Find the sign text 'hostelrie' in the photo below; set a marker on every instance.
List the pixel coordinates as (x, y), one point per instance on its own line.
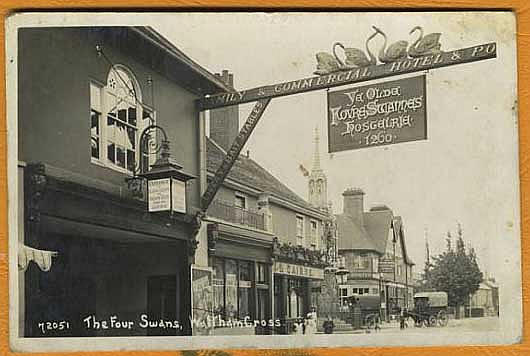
(377, 114)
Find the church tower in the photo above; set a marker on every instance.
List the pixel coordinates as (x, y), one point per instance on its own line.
(318, 182)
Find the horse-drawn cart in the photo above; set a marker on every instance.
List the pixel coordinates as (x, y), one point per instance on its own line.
(430, 309)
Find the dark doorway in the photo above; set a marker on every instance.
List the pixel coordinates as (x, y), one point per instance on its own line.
(162, 304)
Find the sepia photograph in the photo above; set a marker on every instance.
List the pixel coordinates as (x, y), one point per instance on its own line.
(187, 180)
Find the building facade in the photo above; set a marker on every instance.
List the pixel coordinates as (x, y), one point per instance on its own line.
(485, 301)
(267, 247)
(371, 245)
(85, 96)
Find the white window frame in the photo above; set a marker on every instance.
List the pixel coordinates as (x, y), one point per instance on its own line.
(314, 239)
(141, 124)
(99, 87)
(300, 239)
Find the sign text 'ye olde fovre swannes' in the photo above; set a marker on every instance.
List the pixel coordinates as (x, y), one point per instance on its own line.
(377, 114)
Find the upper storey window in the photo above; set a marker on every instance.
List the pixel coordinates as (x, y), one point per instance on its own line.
(117, 118)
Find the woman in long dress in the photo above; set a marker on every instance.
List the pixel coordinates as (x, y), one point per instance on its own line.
(311, 323)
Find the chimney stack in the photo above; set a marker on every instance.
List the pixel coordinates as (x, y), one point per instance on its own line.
(354, 204)
(224, 122)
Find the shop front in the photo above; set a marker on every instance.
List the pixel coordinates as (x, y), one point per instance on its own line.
(241, 281)
(117, 270)
(294, 285)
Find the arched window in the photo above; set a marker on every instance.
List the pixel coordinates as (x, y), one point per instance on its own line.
(117, 118)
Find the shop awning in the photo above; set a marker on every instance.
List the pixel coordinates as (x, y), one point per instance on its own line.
(42, 258)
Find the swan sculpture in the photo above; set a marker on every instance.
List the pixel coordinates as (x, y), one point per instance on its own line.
(395, 52)
(326, 64)
(355, 57)
(423, 46)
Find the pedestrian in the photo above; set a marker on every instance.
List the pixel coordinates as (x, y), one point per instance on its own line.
(328, 325)
(402, 315)
(298, 327)
(310, 324)
(377, 326)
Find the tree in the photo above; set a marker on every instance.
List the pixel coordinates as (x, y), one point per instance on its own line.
(455, 272)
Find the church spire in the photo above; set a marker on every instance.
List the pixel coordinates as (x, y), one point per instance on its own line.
(318, 183)
(316, 154)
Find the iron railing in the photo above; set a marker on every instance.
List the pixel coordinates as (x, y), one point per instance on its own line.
(225, 211)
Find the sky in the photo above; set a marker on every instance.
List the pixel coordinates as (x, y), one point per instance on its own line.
(466, 170)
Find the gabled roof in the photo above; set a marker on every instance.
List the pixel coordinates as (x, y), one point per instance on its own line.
(490, 283)
(373, 235)
(247, 172)
(352, 236)
(378, 224)
(399, 232)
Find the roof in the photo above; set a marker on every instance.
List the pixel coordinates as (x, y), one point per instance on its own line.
(436, 299)
(490, 283)
(484, 285)
(247, 172)
(154, 51)
(358, 237)
(373, 235)
(399, 232)
(214, 84)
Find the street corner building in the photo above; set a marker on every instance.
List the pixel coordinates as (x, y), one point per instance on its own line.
(263, 249)
(372, 250)
(93, 261)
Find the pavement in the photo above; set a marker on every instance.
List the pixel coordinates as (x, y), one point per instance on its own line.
(454, 325)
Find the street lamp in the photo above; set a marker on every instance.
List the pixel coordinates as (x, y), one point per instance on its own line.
(166, 182)
(342, 272)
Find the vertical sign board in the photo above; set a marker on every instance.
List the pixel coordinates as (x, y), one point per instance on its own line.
(178, 196)
(166, 194)
(158, 194)
(377, 114)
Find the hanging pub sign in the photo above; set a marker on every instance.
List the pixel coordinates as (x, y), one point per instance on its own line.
(386, 265)
(167, 194)
(158, 195)
(178, 196)
(377, 114)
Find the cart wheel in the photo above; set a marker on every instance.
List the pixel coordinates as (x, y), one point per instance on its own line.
(442, 318)
(432, 320)
(425, 323)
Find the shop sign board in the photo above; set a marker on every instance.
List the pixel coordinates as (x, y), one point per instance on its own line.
(377, 114)
(158, 194)
(178, 196)
(386, 265)
(352, 76)
(298, 270)
(166, 194)
(386, 269)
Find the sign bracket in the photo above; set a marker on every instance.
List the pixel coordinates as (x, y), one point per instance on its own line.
(263, 95)
(232, 154)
